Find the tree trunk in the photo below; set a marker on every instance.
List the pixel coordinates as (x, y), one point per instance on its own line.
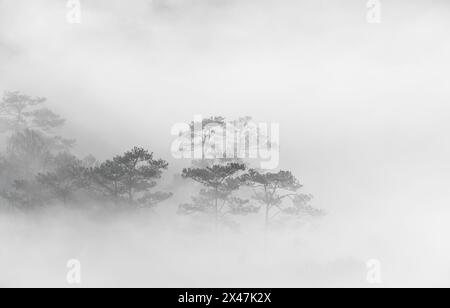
(266, 222)
(216, 209)
(267, 217)
(268, 204)
(116, 194)
(130, 190)
(18, 121)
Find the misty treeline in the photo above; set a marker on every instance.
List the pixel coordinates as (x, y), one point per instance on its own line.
(37, 168)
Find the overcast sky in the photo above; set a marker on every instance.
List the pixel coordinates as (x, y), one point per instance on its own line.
(363, 108)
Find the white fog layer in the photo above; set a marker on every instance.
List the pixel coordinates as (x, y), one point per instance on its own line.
(361, 183)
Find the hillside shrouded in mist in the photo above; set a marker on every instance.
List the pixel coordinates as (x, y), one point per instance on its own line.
(87, 164)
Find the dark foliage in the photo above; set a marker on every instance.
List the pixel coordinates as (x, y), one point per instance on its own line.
(38, 168)
(216, 198)
(278, 193)
(133, 173)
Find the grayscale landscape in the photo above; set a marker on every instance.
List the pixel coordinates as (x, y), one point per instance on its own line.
(224, 143)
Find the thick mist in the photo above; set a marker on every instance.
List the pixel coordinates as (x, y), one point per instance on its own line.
(363, 117)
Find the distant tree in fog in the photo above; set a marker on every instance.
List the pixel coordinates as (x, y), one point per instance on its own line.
(24, 194)
(278, 193)
(90, 162)
(44, 119)
(30, 152)
(32, 148)
(69, 175)
(15, 110)
(216, 198)
(31, 145)
(205, 133)
(19, 112)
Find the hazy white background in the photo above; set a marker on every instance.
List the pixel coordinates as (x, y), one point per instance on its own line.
(364, 113)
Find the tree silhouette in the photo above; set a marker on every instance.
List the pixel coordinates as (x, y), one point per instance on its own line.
(134, 172)
(14, 110)
(68, 177)
(30, 152)
(213, 135)
(141, 170)
(108, 176)
(206, 132)
(31, 146)
(44, 119)
(278, 193)
(19, 112)
(216, 198)
(25, 194)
